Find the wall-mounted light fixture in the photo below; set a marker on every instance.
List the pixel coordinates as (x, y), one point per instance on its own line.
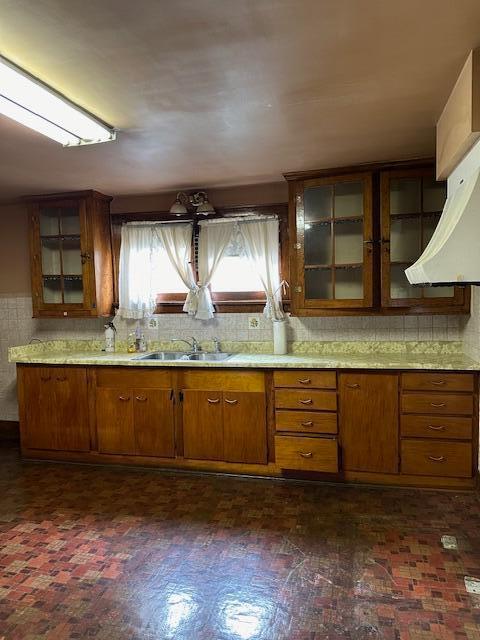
(197, 202)
(34, 104)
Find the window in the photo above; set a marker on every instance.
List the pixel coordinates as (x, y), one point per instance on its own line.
(235, 286)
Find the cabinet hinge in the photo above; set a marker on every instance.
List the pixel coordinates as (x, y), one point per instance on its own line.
(298, 289)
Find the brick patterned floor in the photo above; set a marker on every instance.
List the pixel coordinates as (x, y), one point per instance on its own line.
(120, 554)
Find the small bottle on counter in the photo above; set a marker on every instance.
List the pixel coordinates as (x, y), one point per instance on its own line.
(131, 342)
(110, 337)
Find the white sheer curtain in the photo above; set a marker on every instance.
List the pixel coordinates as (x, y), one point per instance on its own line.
(261, 240)
(177, 241)
(214, 239)
(137, 271)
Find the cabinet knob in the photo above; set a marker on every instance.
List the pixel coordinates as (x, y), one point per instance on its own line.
(306, 454)
(307, 401)
(124, 398)
(439, 427)
(438, 404)
(141, 398)
(213, 400)
(308, 423)
(353, 386)
(437, 458)
(231, 401)
(304, 380)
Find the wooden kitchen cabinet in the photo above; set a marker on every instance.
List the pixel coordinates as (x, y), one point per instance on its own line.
(228, 423)
(134, 420)
(353, 233)
(71, 255)
(53, 406)
(369, 422)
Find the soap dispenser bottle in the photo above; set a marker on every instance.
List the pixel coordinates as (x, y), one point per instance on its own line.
(109, 337)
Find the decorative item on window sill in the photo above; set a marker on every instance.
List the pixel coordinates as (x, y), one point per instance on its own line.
(192, 202)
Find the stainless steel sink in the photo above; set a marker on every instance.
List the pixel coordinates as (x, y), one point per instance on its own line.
(209, 356)
(164, 355)
(181, 355)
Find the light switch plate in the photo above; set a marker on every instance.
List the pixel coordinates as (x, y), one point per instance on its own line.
(449, 542)
(472, 585)
(253, 323)
(152, 323)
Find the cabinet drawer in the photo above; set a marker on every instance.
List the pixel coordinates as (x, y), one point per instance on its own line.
(306, 421)
(447, 403)
(308, 399)
(305, 379)
(145, 378)
(307, 454)
(435, 458)
(437, 381)
(436, 427)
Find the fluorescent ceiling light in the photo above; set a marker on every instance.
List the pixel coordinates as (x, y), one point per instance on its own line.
(33, 104)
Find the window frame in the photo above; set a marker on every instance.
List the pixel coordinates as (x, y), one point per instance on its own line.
(225, 301)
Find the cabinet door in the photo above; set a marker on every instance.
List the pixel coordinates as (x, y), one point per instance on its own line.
(72, 432)
(369, 422)
(244, 427)
(333, 258)
(153, 420)
(411, 206)
(39, 421)
(115, 430)
(203, 425)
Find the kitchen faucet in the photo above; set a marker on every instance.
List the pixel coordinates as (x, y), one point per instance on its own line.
(194, 346)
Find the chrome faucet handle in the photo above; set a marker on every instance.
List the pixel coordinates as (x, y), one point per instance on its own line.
(195, 346)
(216, 345)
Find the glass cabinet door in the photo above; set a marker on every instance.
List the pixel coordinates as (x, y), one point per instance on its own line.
(411, 206)
(334, 242)
(62, 258)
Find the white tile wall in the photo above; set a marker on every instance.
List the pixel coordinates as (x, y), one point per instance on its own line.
(471, 329)
(18, 327)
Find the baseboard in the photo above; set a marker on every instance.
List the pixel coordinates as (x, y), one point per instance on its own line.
(9, 431)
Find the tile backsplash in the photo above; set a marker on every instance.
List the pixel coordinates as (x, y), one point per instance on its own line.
(18, 327)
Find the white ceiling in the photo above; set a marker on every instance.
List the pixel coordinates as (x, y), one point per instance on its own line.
(211, 93)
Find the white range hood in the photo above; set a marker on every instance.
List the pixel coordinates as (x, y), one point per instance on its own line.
(453, 254)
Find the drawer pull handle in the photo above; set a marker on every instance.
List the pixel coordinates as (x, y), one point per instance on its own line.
(213, 400)
(141, 398)
(309, 423)
(353, 386)
(231, 401)
(438, 404)
(304, 380)
(124, 398)
(308, 401)
(436, 458)
(307, 454)
(439, 427)
(438, 382)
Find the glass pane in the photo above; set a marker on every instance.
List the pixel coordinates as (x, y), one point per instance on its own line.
(52, 290)
(348, 284)
(72, 256)
(51, 264)
(348, 199)
(405, 239)
(429, 225)
(438, 292)
(70, 220)
(49, 222)
(318, 202)
(318, 244)
(400, 286)
(434, 195)
(318, 284)
(73, 290)
(348, 242)
(405, 195)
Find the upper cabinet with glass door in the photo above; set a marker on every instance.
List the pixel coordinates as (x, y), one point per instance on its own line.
(411, 206)
(332, 218)
(71, 255)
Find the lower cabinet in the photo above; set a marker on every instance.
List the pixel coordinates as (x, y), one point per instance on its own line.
(135, 422)
(229, 426)
(369, 422)
(54, 408)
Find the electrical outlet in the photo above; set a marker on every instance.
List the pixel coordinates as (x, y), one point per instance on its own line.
(153, 323)
(253, 323)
